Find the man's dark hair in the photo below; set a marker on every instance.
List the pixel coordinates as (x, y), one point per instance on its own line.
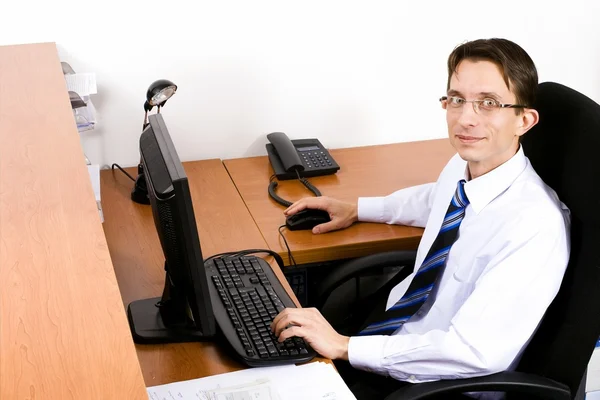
(517, 68)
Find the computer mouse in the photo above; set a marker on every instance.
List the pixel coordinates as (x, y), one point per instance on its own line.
(306, 219)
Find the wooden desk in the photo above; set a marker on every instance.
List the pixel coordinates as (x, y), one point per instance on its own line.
(63, 329)
(365, 171)
(224, 224)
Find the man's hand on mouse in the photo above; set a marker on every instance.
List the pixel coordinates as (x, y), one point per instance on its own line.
(342, 214)
(309, 324)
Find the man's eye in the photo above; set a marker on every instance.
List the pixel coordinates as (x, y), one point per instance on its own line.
(457, 101)
(489, 103)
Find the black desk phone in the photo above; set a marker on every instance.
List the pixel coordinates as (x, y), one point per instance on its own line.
(304, 157)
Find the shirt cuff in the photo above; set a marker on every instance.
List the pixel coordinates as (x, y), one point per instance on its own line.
(370, 209)
(365, 353)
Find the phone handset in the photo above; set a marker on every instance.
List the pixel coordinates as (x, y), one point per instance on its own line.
(284, 155)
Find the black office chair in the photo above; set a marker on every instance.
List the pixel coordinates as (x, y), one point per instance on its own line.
(564, 149)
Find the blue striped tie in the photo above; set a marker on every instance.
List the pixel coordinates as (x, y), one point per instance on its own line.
(387, 322)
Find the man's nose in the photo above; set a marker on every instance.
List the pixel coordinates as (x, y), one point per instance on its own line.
(468, 116)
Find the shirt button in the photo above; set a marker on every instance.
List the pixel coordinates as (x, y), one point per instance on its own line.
(412, 378)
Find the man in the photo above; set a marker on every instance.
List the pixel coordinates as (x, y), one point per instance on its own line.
(494, 249)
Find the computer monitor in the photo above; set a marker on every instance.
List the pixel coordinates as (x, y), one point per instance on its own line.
(184, 312)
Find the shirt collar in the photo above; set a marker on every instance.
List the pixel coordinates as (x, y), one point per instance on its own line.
(482, 190)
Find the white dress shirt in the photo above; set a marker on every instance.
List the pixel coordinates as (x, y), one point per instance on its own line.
(501, 274)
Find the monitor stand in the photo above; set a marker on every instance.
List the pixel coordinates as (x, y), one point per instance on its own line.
(168, 323)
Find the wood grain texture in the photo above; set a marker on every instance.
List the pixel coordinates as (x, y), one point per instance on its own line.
(365, 171)
(63, 330)
(224, 224)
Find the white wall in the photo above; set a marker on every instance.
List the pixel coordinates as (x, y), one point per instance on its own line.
(349, 73)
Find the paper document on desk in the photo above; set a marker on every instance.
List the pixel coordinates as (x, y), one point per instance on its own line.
(309, 381)
(260, 389)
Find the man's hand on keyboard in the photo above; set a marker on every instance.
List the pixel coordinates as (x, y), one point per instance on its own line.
(309, 324)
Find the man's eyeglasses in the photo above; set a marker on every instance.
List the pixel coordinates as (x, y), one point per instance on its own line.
(483, 107)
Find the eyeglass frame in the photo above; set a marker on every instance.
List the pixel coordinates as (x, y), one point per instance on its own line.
(476, 108)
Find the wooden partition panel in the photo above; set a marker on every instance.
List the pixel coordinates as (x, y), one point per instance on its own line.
(63, 329)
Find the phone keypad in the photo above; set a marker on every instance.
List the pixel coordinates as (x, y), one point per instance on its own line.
(316, 159)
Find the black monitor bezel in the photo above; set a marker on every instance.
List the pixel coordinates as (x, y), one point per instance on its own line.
(186, 290)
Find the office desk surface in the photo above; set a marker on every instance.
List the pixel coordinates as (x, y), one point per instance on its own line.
(365, 171)
(224, 224)
(63, 330)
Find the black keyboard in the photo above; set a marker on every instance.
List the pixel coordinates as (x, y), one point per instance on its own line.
(246, 296)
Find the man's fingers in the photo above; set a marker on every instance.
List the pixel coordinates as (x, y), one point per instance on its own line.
(326, 227)
(318, 203)
(280, 316)
(290, 332)
(295, 207)
(282, 324)
(289, 317)
(288, 321)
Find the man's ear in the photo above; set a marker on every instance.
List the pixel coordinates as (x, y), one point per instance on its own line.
(527, 120)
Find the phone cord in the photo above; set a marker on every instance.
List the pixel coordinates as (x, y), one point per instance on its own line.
(286, 203)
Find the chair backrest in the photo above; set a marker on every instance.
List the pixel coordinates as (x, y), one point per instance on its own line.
(564, 149)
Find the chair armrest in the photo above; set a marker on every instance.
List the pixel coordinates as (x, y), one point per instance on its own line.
(355, 267)
(501, 382)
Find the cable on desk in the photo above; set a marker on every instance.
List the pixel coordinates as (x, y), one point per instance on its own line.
(309, 185)
(273, 185)
(291, 257)
(122, 170)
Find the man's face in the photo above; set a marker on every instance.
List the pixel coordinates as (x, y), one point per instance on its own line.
(485, 139)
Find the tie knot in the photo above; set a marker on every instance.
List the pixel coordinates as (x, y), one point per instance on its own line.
(460, 198)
